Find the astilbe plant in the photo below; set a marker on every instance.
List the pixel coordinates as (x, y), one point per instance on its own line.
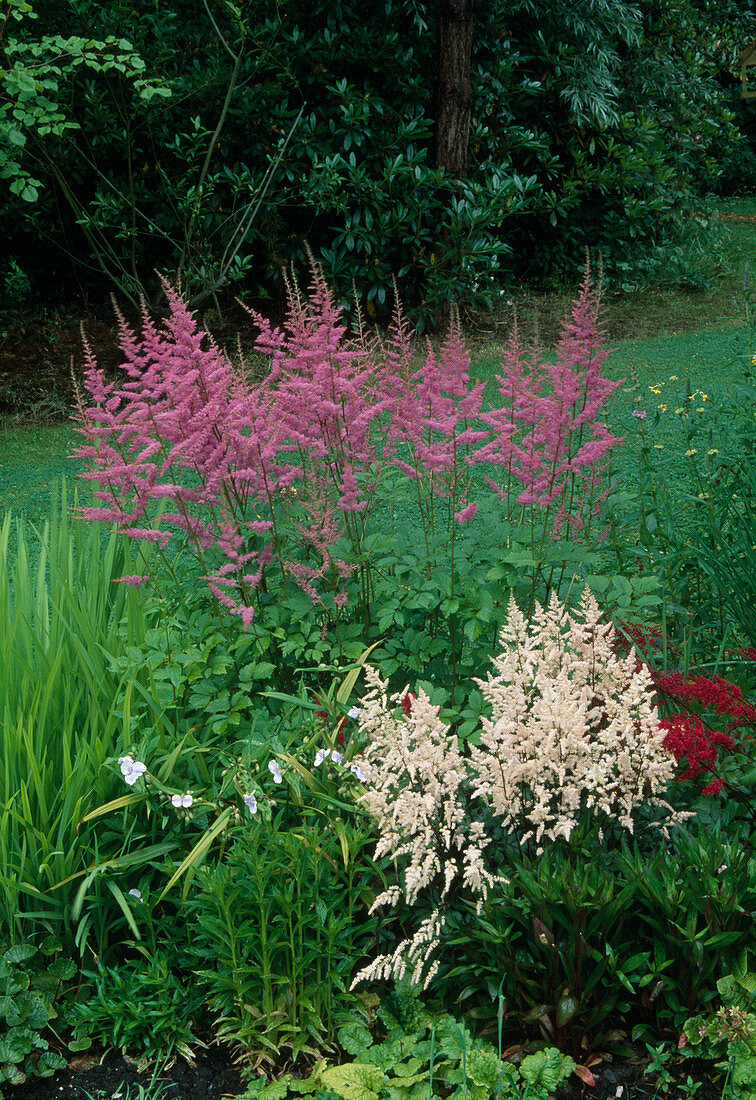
(547, 440)
(282, 477)
(573, 731)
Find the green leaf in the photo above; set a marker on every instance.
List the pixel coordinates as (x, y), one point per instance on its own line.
(14, 1046)
(49, 1063)
(355, 1039)
(354, 1081)
(22, 952)
(62, 969)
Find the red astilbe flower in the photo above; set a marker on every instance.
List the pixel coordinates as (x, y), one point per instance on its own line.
(687, 737)
(712, 692)
(695, 701)
(407, 700)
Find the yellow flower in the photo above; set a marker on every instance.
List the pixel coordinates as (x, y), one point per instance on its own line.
(713, 451)
(703, 496)
(655, 389)
(704, 396)
(690, 452)
(678, 411)
(662, 408)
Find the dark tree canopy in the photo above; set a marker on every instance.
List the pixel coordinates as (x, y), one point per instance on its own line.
(453, 148)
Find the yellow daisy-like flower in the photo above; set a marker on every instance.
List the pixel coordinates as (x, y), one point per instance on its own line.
(690, 452)
(655, 389)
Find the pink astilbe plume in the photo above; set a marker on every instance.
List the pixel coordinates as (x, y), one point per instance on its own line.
(325, 402)
(174, 431)
(434, 417)
(546, 435)
(288, 469)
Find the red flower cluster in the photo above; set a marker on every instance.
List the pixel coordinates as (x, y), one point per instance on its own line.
(687, 736)
(709, 691)
(338, 725)
(407, 701)
(692, 697)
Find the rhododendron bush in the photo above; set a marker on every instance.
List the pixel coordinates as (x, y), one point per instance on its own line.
(573, 732)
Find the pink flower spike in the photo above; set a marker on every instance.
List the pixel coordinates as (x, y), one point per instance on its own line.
(133, 581)
(466, 513)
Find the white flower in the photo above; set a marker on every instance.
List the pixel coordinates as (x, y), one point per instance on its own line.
(181, 801)
(320, 756)
(355, 769)
(136, 894)
(354, 712)
(275, 771)
(337, 757)
(131, 769)
(251, 803)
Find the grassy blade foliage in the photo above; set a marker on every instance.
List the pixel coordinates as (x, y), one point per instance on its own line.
(62, 620)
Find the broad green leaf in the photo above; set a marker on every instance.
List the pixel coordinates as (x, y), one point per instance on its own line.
(354, 1081)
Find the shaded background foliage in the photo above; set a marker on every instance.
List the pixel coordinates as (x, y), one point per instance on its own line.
(595, 124)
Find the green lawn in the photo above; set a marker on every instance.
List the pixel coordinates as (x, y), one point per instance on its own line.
(33, 459)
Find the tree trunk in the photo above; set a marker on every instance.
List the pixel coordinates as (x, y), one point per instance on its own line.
(454, 88)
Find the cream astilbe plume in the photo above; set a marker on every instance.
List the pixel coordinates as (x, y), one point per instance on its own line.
(573, 726)
(573, 731)
(417, 789)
